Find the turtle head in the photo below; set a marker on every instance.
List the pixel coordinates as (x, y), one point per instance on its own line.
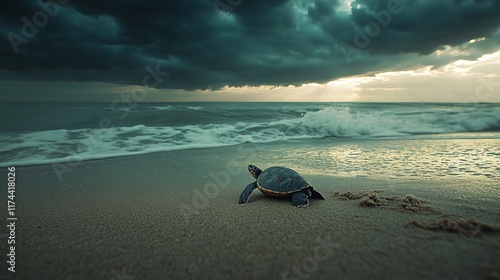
(254, 171)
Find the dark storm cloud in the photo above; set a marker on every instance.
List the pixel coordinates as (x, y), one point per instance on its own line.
(423, 26)
(209, 44)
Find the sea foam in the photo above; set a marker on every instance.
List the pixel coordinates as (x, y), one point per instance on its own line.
(255, 125)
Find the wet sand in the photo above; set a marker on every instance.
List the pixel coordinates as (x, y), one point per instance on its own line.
(175, 215)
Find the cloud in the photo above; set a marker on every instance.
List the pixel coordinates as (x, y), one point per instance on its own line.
(461, 81)
(259, 42)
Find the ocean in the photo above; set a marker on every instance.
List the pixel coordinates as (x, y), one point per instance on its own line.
(41, 133)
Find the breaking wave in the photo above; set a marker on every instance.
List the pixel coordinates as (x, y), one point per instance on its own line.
(201, 127)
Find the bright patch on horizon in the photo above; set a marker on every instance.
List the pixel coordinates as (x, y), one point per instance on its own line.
(458, 75)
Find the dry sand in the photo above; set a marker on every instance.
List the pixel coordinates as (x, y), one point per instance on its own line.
(147, 217)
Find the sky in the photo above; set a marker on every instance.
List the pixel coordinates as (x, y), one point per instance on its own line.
(250, 50)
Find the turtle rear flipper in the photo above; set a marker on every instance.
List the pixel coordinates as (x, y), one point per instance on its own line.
(247, 192)
(316, 194)
(299, 199)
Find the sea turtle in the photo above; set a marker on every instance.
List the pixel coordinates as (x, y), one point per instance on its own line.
(280, 181)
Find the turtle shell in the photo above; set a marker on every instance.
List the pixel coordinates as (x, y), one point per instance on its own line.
(280, 181)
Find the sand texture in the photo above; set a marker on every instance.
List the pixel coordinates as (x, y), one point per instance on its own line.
(175, 216)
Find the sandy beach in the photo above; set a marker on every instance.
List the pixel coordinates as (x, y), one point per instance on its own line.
(175, 215)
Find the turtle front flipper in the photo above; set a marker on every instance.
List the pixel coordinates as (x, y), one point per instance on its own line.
(245, 195)
(299, 199)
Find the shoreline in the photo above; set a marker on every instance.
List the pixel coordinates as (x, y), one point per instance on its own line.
(330, 141)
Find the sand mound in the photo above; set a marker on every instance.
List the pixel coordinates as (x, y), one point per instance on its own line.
(414, 204)
(367, 198)
(469, 227)
(375, 198)
(353, 196)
